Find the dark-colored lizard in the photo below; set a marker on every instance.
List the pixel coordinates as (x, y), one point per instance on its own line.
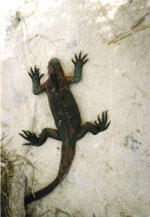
(66, 116)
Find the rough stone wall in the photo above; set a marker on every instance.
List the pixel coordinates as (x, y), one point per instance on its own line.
(110, 174)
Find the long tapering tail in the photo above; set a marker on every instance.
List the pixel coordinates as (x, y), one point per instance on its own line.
(67, 155)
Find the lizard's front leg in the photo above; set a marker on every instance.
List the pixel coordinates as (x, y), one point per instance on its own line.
(78, 64)
(37, 141)
(100, 125)
(36, 77)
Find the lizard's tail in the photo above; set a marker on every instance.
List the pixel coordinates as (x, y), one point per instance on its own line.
(67, 155)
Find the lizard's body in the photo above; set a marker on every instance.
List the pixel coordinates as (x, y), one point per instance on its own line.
(66, 116)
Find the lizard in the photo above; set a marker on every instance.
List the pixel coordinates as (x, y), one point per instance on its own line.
(66, 116)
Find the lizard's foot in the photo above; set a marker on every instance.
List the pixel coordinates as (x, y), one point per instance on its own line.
(35, 74)
(102, 123)
(31, 137)
(80, 61)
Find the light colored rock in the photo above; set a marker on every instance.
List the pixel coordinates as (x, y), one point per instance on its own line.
(17, 193)
(111, 171)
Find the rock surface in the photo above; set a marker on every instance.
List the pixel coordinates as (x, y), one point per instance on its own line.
(111, 171)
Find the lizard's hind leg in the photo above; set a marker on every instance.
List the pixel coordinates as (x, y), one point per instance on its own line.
(37, 141)
(100, 125)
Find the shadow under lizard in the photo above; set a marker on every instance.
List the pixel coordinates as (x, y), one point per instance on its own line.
(66, 116)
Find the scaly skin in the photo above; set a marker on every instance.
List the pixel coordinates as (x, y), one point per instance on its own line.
(66, 116)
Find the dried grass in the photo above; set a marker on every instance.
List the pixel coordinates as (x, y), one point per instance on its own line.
(8, 160)
(6, 174)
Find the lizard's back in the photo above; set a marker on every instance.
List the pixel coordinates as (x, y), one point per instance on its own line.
(64, 108)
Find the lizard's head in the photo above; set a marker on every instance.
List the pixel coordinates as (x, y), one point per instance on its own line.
(54, 66)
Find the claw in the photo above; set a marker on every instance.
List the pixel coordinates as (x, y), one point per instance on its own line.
(85, 61)
(27, 133)
(23, 136)
(27, 144)
(76, 57)
(108, 125)
(41, 76)
(30, 74)
(84, 57)
(73, 61)
(99, 120)
(104, 117)
(96, 123)
(36, 70)
(37, 73)
(80, 55)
